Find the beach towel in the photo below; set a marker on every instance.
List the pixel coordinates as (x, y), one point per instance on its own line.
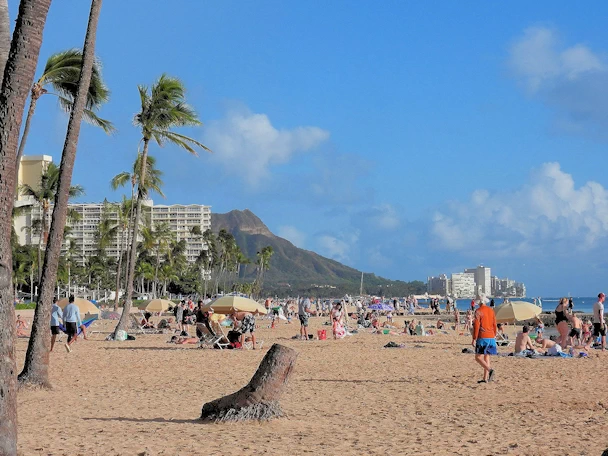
(85, 323)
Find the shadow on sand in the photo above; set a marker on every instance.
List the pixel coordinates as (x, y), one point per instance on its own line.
(144, 420)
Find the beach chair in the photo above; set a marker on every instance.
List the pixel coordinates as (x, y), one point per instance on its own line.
(208, 340)
(502, 341)
(137, 327)
(222, 339)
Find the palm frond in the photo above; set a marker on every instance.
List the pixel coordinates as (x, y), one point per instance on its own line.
(120, 180)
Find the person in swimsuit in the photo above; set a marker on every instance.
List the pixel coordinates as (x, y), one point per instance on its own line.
(577, 329)
(561, 321)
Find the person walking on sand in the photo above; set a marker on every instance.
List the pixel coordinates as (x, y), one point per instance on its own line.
(304, 311)
(72, 321)
(56, 317)
(599, 323)
(484, 339)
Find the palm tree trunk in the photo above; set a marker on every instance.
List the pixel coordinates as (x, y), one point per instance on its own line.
(5, 35)
(35, 370)
(118, 269)
(156, 274)
(122, 323)
(36, 92)
(17, 79)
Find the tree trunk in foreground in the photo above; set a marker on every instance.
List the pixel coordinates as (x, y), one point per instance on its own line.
(36, 368)
(18, 77)
(259, 399)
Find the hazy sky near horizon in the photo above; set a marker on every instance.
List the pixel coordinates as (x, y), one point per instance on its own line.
(403, 138)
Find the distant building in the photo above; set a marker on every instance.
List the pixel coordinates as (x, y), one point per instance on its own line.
(441, 285)
(180, 218)
(463, 285)
(483, 280)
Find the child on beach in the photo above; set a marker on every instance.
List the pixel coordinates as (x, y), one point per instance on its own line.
(389, 317)
(540, 327)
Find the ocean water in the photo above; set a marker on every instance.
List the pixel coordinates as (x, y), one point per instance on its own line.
(582, 304)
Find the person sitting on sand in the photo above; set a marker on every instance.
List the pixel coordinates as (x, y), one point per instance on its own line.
(440, 324)
(420, 329)
(21, 327)
(523, 343)
(247, 320)
(412, 328)
(145, 321)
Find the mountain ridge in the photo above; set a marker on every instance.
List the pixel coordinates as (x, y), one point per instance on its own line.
(295, 270)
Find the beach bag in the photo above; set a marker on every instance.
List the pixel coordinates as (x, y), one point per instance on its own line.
(121, 335)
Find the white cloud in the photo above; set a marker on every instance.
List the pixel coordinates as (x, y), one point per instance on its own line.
(548, 214)
(293, 235)
(247, 143)
(337, 246)
(568, 79)
(537, 59)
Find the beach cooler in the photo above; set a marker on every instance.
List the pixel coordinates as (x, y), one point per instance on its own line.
(322, 334)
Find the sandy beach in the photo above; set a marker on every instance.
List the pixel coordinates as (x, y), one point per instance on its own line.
(350, 396)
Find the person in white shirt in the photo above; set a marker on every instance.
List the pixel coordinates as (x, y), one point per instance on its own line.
(56, 317)
(72, 321)
(599, 324)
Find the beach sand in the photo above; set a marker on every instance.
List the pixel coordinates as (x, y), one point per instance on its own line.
(345, 397)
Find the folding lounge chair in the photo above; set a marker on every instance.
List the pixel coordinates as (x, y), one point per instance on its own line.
(138, 328)
(502, 341)
(209, 340)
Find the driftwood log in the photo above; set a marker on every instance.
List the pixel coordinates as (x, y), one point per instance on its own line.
(259, 399)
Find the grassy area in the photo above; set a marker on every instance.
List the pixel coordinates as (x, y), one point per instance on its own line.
(27, 305)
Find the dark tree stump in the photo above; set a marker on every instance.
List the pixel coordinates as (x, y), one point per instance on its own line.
(259, 399)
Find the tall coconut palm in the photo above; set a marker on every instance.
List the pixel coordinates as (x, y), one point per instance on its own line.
(123, 211)
(61, 74)
(163, 108)
(153, 183)
(17, 78)
(162, 238)
(42, 195)
(35, 370)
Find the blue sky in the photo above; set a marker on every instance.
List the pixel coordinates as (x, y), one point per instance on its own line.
(402, 138)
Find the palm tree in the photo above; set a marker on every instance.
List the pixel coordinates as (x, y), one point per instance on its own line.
(153, 183)
(263, 263)
(5, 35)
(162, 236)
(163, 108)
(17, 77)
(35, 370)
(61, 74)
(42, 196)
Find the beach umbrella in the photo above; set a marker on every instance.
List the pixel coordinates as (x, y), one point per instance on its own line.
(228, 304)
(509, 312)
(159, 305)
(83, 305)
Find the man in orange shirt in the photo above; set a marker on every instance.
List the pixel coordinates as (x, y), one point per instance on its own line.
(484, 339)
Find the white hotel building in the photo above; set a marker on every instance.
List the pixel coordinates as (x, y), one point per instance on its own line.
(180, 218)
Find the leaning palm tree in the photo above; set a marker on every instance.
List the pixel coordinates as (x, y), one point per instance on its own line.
(42, 195)
(61, 74)
(5, 34)
(18, 74)
(35, 370)
(163, 108)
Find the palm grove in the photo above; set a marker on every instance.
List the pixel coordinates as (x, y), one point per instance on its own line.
(155, 265)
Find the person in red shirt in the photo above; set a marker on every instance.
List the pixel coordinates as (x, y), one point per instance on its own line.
(484, 339)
